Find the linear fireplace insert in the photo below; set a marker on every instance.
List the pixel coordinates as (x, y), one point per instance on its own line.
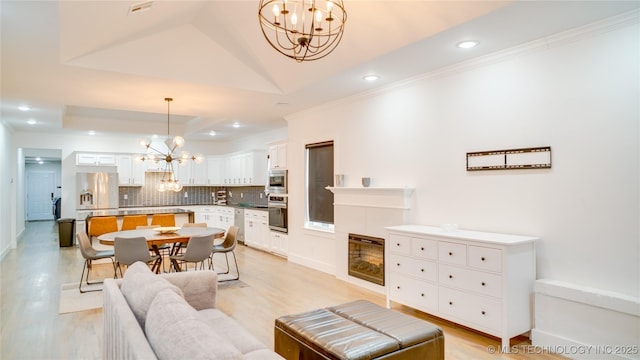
(366, 258)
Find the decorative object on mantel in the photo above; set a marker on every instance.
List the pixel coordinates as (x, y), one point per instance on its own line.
(169, 180)
(303, 30)
(511, 159)
(366, 181)
(339, 180)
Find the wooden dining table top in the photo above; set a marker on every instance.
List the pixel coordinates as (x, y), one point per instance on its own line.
(156, 238)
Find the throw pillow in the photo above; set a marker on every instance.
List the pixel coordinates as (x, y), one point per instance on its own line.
(140, 286)
(175, 331)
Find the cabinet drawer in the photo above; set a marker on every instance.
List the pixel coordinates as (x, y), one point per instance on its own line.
(452, 253)
(423, 269)
(415, 293)
(467, 279)
(423, 248)
(400, 244)
(476, 309)
(485, 258)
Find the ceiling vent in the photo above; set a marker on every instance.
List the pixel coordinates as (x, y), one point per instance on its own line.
(140, 7)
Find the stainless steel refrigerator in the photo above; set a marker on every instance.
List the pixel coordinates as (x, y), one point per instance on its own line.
(97, 191)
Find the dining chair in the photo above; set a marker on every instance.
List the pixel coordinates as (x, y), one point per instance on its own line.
(130, 222)
(164, 249)
(102, 225)
(89, 254)
(228, 246)
(129, 250)
(163, 219)
(198, 250)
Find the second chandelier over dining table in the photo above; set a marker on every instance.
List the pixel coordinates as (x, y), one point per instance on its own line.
(303, 30)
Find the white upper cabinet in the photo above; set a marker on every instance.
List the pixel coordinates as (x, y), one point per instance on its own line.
(96, 159)
(278, 156)
(191, 173)
(130, 172)
(214, 170)
(248, 168)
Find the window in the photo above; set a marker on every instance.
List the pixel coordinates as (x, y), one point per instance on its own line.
(319, 176)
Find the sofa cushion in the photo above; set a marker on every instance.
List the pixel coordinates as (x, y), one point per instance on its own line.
(140, 286)
(175, 331)
(231, 331)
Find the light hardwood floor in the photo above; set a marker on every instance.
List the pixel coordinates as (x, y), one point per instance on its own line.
(32, 329)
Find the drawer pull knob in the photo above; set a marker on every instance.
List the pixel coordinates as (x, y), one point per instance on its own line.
(422, 248)
(397, 244)
(398, 287)
(422, 294)
(482, 258)
(422, 270)
(483, 283)
(483, 312)
(450, 302)
(450, 276)
(398, 264)
(450, 253)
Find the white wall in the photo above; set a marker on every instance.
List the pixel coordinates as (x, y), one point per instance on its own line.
(8, 183)
(576, 92)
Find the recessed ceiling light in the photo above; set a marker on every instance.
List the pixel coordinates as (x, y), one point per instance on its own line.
(40, 162)
(371, 77)
(24, 108)
(154, 136)
(212, 133)
(236, 125)
(92, 132)
(38, 158)
(32, 122)
(467, 44)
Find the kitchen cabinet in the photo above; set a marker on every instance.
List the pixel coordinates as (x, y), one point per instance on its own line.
(214, 170)
(95, 159)
(245, 169)
(278, 243)
(480, 280)
(256, 229)
(130, 172)
(225, 217)
(191, 173)
(278, 156)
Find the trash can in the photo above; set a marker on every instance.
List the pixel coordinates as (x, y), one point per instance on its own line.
(66, 230)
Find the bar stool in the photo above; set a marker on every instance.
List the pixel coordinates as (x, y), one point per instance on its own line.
(131, 222)
(163, 219)
(102, 225)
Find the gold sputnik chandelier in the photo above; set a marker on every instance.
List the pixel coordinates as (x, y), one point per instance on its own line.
(169, 180)
(303, 30)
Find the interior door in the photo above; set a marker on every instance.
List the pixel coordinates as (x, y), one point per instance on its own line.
(40, 187)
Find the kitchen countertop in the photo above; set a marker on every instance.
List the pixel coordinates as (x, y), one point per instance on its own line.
(149, 211)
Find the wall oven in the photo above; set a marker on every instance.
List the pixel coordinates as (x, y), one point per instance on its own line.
(278, 181)
(278, 212)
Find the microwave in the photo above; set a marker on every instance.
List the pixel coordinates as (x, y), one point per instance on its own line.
(278, 181)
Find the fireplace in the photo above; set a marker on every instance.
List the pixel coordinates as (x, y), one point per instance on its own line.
(366, 258)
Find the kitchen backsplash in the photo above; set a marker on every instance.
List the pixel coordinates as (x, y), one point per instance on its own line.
(147, 195)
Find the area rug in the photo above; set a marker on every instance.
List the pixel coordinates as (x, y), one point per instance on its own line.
(231, 284)
(71, 300)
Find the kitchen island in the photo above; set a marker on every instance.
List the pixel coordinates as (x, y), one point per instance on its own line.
(83, 218)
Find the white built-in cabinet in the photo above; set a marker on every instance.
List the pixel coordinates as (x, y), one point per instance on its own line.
(248, 168)
(278, 156)
(480, 280)
(221, 217)
(95, 159)
(256, 229)
(214, 170)
(190, 173)
(278, 243)
(130, 172)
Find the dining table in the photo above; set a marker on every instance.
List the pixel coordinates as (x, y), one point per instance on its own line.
(157, 236)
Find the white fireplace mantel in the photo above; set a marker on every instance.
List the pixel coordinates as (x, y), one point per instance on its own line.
(375, 197)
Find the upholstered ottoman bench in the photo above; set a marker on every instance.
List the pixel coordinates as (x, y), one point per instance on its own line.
(358, 330)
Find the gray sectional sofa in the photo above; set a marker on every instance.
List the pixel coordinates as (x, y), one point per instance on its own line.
(172, 316)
